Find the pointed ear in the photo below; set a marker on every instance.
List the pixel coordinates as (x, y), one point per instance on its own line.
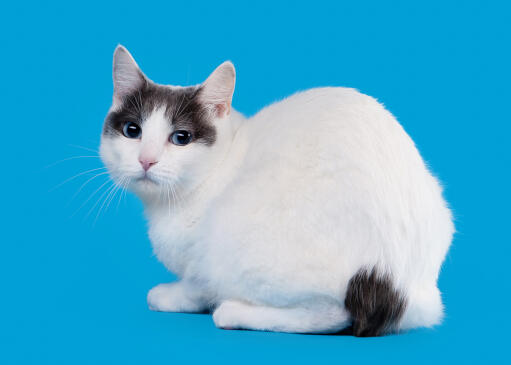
(126, 74)
(217, 90)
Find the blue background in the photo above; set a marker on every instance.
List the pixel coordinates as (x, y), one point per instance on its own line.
(74, 291)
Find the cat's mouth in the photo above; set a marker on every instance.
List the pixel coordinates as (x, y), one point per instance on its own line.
(147, 179)
(150, 179)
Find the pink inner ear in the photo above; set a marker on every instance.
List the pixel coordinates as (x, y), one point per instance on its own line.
(222, 109)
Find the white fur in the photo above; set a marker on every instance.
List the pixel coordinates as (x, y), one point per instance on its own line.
(272, 220)
(126, 74)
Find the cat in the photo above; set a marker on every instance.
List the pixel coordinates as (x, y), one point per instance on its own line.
(316, 215)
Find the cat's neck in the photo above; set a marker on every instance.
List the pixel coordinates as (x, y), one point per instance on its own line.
(191, 199)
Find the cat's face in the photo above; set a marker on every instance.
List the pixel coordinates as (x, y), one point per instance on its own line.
(158, 139)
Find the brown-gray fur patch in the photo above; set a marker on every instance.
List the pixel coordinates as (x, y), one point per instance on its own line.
(374, 304)
(183, 110)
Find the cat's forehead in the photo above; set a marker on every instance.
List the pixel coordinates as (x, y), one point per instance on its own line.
(174, 99)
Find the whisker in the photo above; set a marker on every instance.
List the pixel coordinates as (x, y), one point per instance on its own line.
(178, 109)
(118, 190)
(175, 197)
(168, 198)
(123, 192)
(90, 196)
(178, 198)
(106, 201)
(126, 188)
(100, 199)
(83, 148)
(188, 102)
(85, 183)
(67, 159)
(74, 177)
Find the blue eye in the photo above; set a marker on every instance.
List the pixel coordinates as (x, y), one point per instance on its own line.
(181, 137)
(131, 130)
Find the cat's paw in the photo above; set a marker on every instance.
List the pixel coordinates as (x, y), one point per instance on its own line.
(160, 298)
(175, 297)
(227, 315)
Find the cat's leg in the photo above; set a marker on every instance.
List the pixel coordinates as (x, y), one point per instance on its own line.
(180, 296)
(323, 318)
(424, 307)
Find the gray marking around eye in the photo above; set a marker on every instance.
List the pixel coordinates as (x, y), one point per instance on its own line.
(183, 110)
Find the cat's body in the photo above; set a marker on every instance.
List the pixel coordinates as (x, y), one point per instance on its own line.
(314, 214)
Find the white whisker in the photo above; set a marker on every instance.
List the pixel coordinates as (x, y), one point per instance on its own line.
(67, 159)
(123, 192)
(106, 201)
(90, 196)
(75, 176)
(100, 199)
(84, 148)
(168, 198)
(85, 183)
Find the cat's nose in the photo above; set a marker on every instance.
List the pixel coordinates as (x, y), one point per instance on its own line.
(146, 164)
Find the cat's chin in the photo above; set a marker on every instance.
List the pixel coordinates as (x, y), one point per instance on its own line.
(147, 180)
(146, 185)
(149, 188)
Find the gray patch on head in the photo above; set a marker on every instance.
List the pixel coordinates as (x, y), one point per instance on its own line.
(183, 110)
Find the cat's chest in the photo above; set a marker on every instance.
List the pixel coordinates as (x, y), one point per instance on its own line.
(173, 238)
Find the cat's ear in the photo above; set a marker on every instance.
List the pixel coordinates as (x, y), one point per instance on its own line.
(126, 74)
(218, 88)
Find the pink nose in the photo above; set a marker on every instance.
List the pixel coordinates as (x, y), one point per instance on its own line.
(146, 164)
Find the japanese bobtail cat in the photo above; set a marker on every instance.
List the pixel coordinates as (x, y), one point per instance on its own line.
(315, 215)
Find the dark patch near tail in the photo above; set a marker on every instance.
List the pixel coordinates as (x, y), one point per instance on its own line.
(374, 304)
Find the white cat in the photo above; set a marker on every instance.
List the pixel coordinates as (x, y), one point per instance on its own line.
(314, 215)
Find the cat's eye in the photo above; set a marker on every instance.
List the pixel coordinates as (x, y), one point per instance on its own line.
(181, 137)
(131, 130)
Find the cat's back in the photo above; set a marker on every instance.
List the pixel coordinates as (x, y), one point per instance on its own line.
(315, 110)
(334, 152)
(334, 144)
(319, 127)
(330, 147)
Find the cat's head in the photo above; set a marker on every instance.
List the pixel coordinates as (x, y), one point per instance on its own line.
(158, 137)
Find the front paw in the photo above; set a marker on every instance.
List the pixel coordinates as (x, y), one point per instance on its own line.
(176, 297)
(226, 315)
(160, 298)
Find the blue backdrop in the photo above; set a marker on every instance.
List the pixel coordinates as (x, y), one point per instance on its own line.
(74, 291)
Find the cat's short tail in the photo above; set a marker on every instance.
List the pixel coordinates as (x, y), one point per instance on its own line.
(376, 307)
